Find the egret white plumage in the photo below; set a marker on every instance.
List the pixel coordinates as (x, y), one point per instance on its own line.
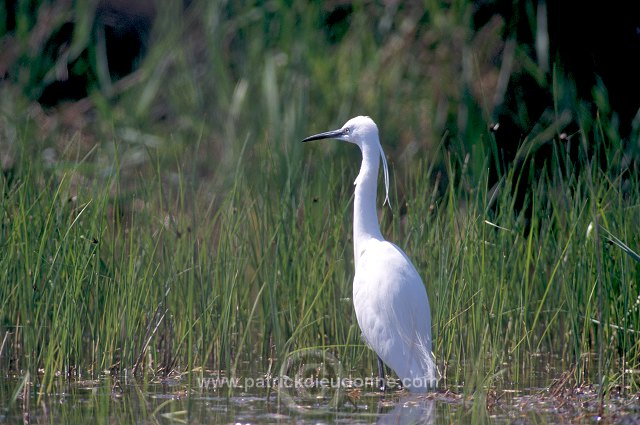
(389, 297)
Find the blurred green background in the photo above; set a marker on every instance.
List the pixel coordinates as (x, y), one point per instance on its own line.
(213, 74)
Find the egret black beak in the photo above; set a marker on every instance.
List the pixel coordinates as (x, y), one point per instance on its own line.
(333, 134)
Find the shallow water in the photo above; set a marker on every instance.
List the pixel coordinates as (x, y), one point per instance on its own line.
(110, 401)
(258, 398)
(100, 402)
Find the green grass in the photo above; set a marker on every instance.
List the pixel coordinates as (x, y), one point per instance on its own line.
(213, 236)
(173, 276)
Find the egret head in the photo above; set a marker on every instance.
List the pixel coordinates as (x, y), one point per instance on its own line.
(359, 130)
(363, 132)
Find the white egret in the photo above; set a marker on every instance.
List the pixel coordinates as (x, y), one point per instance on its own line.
(389, 297)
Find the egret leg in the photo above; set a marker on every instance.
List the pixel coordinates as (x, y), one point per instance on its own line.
(381, 377)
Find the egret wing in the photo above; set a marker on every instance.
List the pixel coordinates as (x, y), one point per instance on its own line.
(393, 309)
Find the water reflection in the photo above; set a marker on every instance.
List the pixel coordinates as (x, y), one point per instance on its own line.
(112, 401)
(410, 409)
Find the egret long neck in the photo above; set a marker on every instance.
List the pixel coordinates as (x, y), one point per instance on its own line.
(365, 216)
